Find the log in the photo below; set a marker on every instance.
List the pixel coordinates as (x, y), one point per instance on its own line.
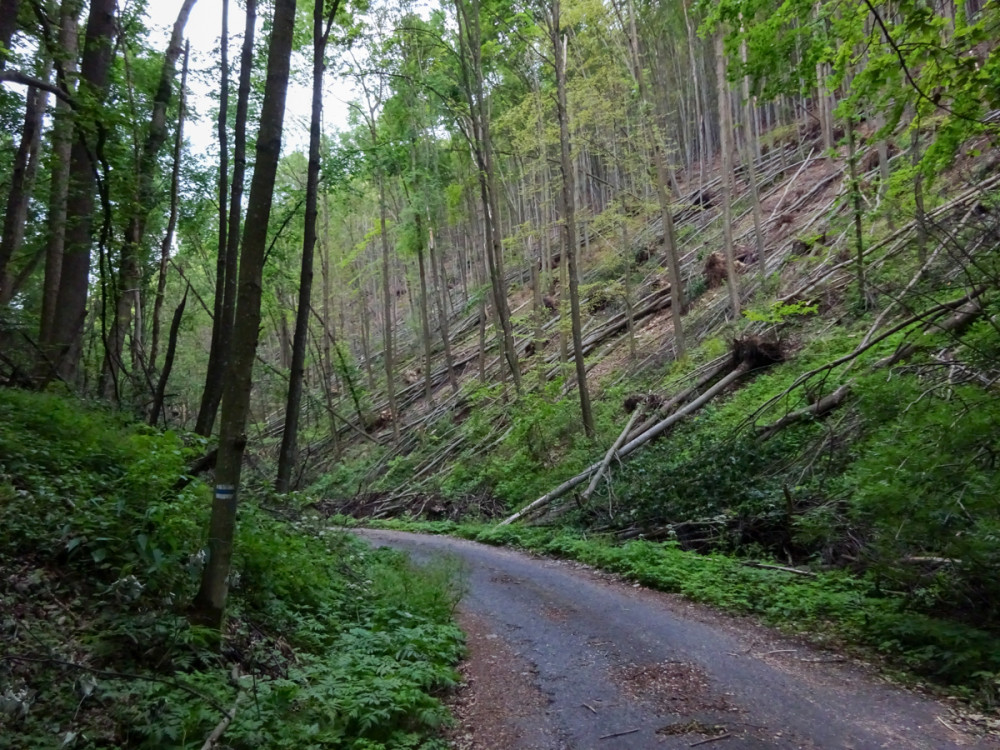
(954, 323)
(596, 480)
(632, 445)
(822, 407)
(781, 568)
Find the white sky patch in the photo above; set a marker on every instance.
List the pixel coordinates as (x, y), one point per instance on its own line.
(203, 29)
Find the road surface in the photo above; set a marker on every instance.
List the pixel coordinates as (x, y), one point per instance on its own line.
(564, 657)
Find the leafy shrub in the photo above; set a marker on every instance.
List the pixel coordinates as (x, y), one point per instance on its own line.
(341, 646)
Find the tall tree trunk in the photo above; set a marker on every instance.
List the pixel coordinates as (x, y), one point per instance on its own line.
(859, 237)
(210, 602)
(438, 277)
(8, 25)
(22, 182)
(751, 155)
(142, 204)
(228, 267)
(425, 322)
(482, 147)
(664, 178)
(726, 128)
(71, 301)
(168, 360)
(288, 453)
(168, 238)
(387, 321)
(62, 146)
(570, 246)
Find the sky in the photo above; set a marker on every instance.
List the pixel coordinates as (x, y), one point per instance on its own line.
(203, 29)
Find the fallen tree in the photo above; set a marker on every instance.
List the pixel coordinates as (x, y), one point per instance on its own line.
(748, 355)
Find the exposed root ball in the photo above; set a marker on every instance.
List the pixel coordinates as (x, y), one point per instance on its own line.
(755, 352)
(635, 400)
(715, 270)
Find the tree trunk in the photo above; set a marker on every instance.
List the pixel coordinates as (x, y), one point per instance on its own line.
(210, 602)
(751, 155)
(438, 277)
(71, 301)
(288, 454)
(168, 238)
(228, 265)
(22, 181)
(482, 148)
(664, 178)
(142, 205)
(8, 25)
(568, 201)
(168, 361)
(387, 322)
(726, 134)
(425, 323)
(62, 146)
(859, 237)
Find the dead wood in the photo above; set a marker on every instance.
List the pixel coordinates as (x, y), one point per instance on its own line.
(819, 409)
(751, 355)
(782, 568)
(931, 314)
(954, 323)
(596, 480)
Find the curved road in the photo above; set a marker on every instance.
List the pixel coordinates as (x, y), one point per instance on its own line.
(612, 665)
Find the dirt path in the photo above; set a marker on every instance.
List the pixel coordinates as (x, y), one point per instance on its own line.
(563, 657)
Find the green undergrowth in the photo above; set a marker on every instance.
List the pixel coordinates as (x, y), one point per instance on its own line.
(329, 644)
(831, 607)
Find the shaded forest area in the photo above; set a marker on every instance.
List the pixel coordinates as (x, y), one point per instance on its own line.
(719, 276)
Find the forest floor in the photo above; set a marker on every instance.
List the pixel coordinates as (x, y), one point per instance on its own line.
(563, 656)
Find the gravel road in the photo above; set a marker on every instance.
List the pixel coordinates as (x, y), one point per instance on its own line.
(561, 656)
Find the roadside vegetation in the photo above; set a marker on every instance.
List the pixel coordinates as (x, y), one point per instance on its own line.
(328, 643)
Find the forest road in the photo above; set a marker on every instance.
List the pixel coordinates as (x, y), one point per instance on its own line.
(562, 656)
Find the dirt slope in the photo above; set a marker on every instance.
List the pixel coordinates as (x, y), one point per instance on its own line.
(563, 657)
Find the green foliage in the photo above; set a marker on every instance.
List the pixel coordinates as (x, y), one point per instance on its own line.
(925, 483)
(778, 311)
(544, 442)
(341, 646)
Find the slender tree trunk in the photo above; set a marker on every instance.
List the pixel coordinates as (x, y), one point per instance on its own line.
(664, 178)
(22, 182)
(859, 237)
(62, 146)
(570, 246)
(222, 344)
(390, 364)
(214, 371)
(726, 128)
(168, 238)
(74, 280)
(168, 360)
(8, 25)
(210, 602)
(438, 277)
(751, 155)
(425, 323)
(482, 147)
(130, 269)
(288, 453)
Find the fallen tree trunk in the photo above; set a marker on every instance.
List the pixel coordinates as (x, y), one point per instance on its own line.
(610, 456)
(825, 405)
(633, 444)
